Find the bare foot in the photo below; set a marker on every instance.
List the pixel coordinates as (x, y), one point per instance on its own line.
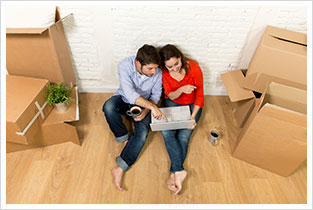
(179, 178)
(171, 182)
(117, 173)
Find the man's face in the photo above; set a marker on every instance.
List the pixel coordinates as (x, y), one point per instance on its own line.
(149, 70)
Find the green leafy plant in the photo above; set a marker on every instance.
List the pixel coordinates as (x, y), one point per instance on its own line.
(58, 93)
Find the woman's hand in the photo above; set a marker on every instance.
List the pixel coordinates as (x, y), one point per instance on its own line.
(187, 89)
(194, 125)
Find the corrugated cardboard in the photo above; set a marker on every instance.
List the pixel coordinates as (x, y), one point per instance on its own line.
(22, 94)
(281, 57)
(274, 137)
(243, 100)
(40, 52)
(57, 128)
(43, 53)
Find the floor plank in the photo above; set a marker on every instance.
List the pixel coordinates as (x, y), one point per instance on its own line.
(71, 174)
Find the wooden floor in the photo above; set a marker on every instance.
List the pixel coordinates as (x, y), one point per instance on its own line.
(73, 174)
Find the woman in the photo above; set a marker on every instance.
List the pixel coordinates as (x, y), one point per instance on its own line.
(183, 85)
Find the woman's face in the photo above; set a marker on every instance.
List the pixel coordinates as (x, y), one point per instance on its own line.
(173, 64)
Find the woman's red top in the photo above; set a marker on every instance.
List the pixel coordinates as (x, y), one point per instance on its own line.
(193, 77)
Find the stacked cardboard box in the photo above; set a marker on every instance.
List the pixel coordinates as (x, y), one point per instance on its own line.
(35, 57)
(269, 102)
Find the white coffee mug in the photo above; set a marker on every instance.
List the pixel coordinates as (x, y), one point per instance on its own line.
(134, 111)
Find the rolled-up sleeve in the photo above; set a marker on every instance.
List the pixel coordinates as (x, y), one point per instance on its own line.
(126, 83)
(156, 91)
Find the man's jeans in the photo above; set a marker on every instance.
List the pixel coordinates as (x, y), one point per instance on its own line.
(177, 141)
(113, 109)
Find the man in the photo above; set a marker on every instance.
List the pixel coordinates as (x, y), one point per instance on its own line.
(140, 84)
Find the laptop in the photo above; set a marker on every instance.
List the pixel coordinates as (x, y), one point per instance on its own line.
(178, 118)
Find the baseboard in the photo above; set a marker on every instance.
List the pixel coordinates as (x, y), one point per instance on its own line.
(218, 92)
(97, 90)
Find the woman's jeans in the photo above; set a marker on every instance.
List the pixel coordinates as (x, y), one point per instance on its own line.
(177, 141)
(113, 109)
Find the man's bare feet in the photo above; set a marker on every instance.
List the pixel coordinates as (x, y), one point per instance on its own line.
(179, 178)
(117, 173)
(171, 182)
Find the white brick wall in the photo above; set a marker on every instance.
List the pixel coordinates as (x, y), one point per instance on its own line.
(220, 38)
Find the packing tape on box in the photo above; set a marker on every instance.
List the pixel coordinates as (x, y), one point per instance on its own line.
(40, 112)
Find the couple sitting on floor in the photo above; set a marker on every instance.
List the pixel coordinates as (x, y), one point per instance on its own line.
(141, 84)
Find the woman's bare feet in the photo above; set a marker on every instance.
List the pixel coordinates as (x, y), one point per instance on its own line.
(117, 173)
(179, 178)
(171, 182)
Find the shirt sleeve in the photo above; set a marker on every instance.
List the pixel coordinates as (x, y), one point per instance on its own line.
(198, 80)
(156, 91)
(126, 83)
(166, 84)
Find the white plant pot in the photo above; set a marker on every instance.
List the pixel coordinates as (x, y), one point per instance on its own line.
(62, 107)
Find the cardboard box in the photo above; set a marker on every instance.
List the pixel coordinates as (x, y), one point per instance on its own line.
(275, 135)
(26, 108)
(43, 53)
(178, 117)
(40, 53)
(243, 100)
(56, 128)
(281, 57)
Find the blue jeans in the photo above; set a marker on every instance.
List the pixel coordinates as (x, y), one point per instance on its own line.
(177, 141)
(113, 108)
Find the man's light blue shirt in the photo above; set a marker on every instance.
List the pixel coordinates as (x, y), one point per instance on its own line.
(133, 84)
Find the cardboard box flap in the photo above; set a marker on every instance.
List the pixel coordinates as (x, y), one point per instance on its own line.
(44, 55)
(25, 30)
(72, 114)
(21, 91)
(289, 41)
(258, 82)
(286, 35)
(59, 19)
(287, 97)
(284, 114)
(286, 46)
(232, 81)
(37, 30)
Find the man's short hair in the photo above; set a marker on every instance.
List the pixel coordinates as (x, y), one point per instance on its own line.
(148, 54)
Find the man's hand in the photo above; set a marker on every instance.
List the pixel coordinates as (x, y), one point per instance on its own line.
(187, 89)
(157, 114)
(142, 115)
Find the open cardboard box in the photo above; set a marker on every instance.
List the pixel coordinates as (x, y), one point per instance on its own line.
(43, 53)
(40, 53)
(281, 57)
(275, 135)
(243, 100)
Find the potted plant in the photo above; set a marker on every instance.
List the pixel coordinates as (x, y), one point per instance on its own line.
(58, 95)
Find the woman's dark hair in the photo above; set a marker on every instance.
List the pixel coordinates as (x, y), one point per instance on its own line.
(148, 54)
(169, 51)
